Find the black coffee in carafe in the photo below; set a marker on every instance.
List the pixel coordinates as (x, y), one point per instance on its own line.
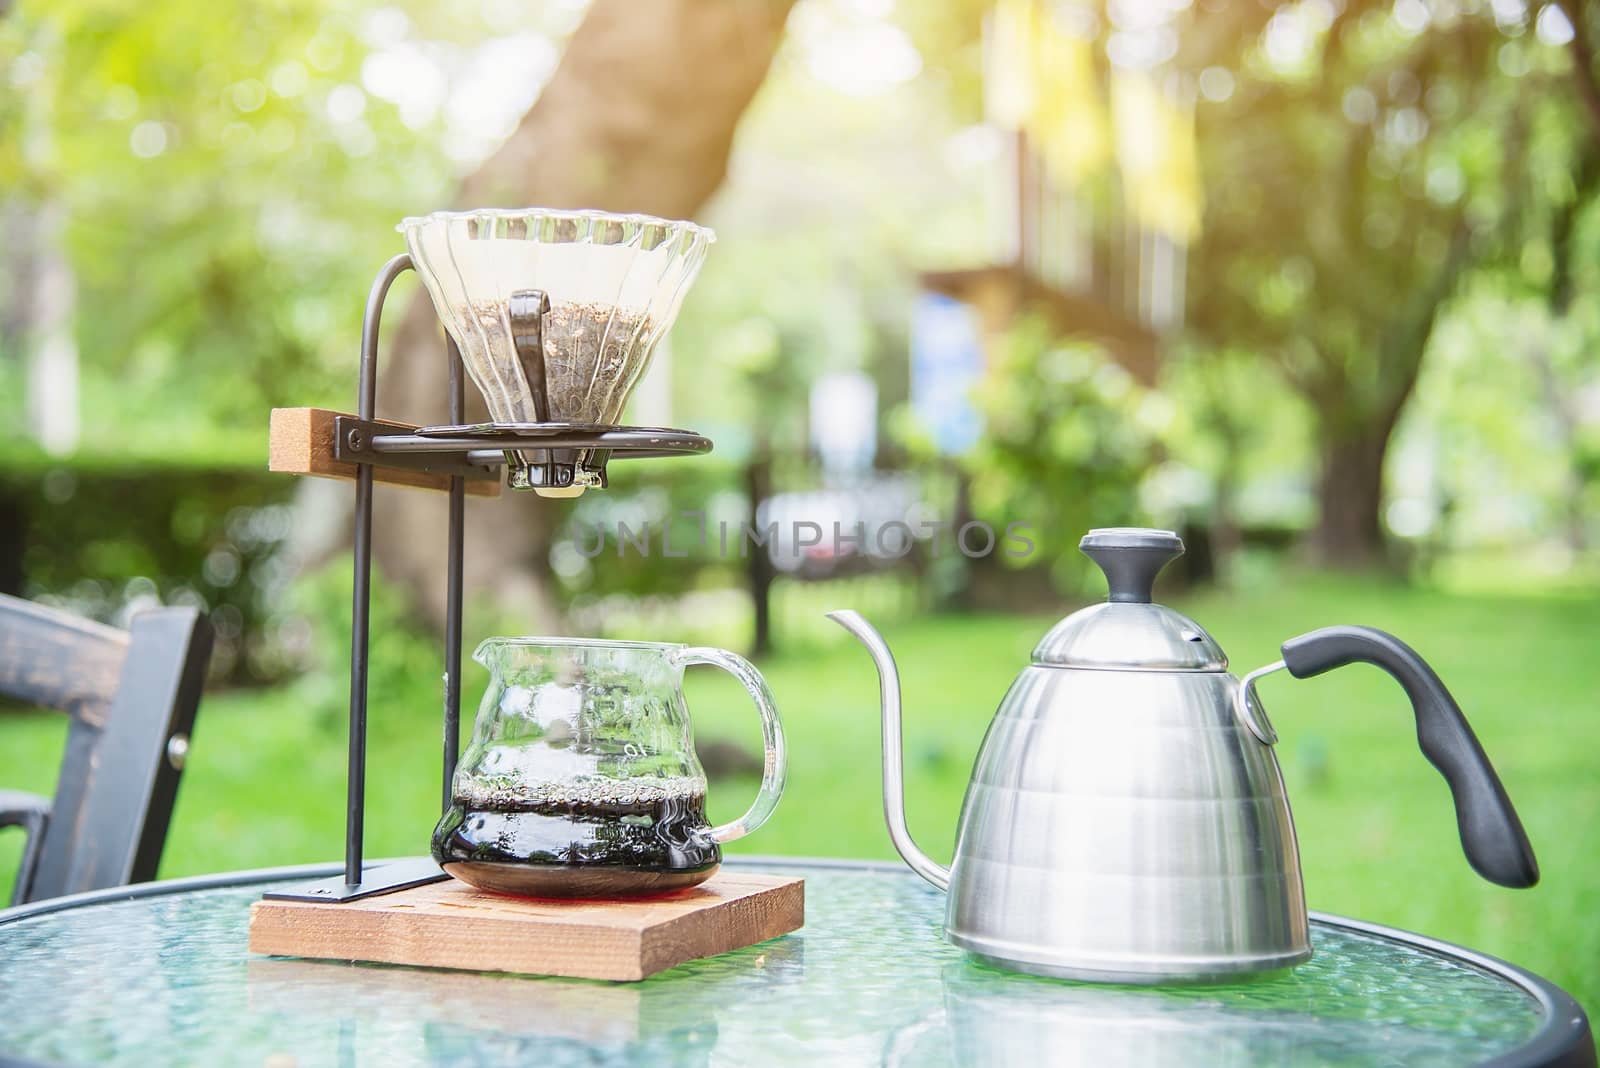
(600, 842)
(582, 778)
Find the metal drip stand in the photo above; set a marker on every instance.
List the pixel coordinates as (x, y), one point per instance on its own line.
(539, 454)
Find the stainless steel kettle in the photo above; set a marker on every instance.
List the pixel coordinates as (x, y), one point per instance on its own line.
(1126, 820)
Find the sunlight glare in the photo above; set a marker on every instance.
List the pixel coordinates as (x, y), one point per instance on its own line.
(408, 78)
(863, 60)
(1553, 26)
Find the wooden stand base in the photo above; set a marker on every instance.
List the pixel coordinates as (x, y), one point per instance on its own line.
(451, 925)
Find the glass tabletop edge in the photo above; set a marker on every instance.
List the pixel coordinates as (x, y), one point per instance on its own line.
(1564, 1039)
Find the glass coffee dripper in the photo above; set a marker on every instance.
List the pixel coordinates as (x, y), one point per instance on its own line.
(556, 312)
(582, 780)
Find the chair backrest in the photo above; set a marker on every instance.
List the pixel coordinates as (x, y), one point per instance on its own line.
(131, 696)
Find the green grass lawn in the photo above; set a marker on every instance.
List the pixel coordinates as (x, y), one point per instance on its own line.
(1377, 834)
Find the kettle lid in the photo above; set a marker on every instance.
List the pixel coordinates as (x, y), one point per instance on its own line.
(1129, 631)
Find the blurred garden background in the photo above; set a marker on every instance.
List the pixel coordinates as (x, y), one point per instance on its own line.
(1314, 283)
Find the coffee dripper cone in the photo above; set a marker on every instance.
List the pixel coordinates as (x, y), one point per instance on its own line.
(556, 314)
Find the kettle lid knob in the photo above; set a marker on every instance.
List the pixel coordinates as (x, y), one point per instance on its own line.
(1131, 558)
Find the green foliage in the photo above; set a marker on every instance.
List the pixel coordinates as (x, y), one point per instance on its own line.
(404, 661)
(1474, 456)
(231, 182)
(1348, 193)
(103, 544)
(1237, 445)
(229, 189)
(1068, 437)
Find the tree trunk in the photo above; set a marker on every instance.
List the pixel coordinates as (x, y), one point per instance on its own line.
(1354, 437)
(1349, 530)
(639, 116)
(1583, 62)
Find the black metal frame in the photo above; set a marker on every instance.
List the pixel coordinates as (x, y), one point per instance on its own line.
(544, 454)
(1562, 1041)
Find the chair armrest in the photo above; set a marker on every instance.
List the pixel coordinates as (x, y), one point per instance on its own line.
(30, 812)
(18, 809)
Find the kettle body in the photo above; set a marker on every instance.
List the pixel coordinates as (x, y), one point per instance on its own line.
(1126, 820)
(1123, 826)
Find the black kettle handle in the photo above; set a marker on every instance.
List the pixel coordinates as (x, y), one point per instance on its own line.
(1491, 833)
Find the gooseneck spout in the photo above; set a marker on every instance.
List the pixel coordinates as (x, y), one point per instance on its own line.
(894, 799)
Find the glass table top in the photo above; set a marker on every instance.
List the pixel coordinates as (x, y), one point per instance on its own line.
(868, 980)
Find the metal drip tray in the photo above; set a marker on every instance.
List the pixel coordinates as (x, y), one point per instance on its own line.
(636, 440)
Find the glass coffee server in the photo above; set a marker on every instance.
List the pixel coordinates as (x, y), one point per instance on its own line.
(554, 316)
(582, 778)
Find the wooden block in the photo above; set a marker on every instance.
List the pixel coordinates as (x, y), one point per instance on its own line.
(451, 925)
(301, 443)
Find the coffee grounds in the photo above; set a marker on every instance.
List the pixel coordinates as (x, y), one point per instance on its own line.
(592, 354)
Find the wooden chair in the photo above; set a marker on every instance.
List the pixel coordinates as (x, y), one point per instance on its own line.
(131, 696)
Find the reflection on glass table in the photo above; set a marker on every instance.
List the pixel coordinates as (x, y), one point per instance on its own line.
(165, 976)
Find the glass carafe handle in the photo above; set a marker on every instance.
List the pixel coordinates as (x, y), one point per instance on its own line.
(776, 765)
